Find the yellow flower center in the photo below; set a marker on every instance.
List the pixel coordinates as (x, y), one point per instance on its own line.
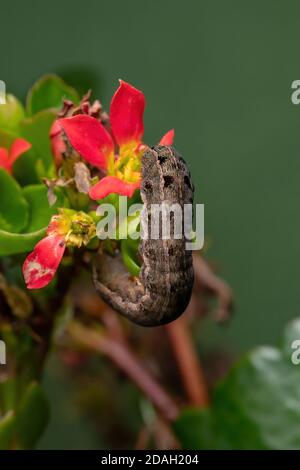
(127, 166)
(77, 228)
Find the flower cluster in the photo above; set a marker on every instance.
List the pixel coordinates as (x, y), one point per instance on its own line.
(113, 146)
(69, 228)
(117, 151)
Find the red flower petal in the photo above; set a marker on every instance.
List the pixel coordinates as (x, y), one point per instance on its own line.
(112, 184)
(18, 147)
(58, 145)
(89, 138)
(126, 114)
(40, 266)
(168, 138)
(4, 161)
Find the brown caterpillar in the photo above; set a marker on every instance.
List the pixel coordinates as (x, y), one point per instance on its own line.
(163, 289)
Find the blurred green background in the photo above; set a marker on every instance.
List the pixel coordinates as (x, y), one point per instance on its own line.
(220, 73)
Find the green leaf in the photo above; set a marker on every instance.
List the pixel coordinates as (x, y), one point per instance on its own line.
(36, 130)
(7, 394)
(40, 212)
(194, 429)
(32, 416)
(13, 243)
(255, 407)
(24, 169)
(13, 206)
(11, 114)
(39, 215)
(6, 137)
(48, 93)
(7, 430)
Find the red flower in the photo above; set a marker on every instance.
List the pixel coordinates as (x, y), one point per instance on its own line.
(168, 138)
(94, 109)
(8, 157)
(97, 146)
(58, 146)
(89, 138)
(40, 266)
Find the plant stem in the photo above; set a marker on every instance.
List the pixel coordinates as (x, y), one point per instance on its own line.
(188, 363)
(126, 361)
(206, 279)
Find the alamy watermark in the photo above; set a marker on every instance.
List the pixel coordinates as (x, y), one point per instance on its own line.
(2, 92)
(152, 221)
(295, 356)
(2, 352)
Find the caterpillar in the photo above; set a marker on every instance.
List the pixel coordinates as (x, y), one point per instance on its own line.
(162, 291)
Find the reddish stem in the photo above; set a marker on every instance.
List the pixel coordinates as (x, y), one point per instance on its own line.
(126, 360)
(205, 278)
(188, 362)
